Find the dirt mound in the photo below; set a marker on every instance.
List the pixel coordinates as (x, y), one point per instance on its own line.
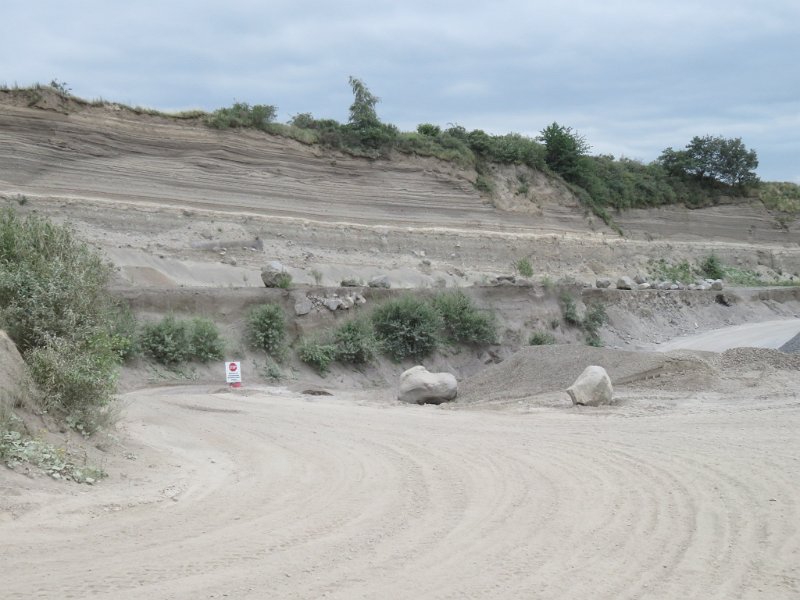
(13, 375)
(541, 369)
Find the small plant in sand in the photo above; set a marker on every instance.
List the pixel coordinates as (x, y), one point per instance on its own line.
(523, 267)
(541, 338)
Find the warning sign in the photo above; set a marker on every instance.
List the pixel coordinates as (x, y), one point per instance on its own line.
(233, 372)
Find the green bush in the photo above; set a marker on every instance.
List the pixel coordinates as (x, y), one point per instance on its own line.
(241, 114)
(354, 342)
(569, 311)
(462, 320)
(407, 327)
(50, 283)
(712, 267)
(595, 318)
(55, 305)
(172, 342)
(318, 355)
(167, 341)
(266, 328)
(541, 338)
(523, 267)
(77, 381)
(205, 344)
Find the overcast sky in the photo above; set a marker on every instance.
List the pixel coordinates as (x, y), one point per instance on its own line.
(633, 76)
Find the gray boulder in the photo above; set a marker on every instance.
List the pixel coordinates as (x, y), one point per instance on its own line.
(644, 286)
(640, 279)
(332, 303)
(273, 274)
(303, 306)
(717, 285)
(380, 281)
(420, 386)
(603, 282)
(592, 388)
(625, 283)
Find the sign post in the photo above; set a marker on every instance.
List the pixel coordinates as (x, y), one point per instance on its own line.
(233, 373)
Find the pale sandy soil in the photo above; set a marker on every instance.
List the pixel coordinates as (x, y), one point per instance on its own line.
(269, 493)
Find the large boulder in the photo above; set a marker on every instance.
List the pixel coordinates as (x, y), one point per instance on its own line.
(420, 386)
(592, 388)
(273, 274)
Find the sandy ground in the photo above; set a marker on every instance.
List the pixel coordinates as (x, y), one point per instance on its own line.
(269, 493)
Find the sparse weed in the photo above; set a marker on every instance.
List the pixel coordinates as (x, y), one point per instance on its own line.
(523, 267)
(541, 338)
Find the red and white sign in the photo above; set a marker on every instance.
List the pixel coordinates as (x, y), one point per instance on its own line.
(233, 372)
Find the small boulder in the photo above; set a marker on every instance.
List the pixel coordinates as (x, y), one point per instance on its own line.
(332, 303)
(273, 274)
(625, 283)
(640, 279)
(380, 281)
(420, 386)
(644, 286)
(717, 285)
(303, 306)
(592, 388)
(350, 282)
(603, 282)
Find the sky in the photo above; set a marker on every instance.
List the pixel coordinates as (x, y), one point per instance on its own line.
(632, 76)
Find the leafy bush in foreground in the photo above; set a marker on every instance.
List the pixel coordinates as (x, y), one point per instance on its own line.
(55, 306)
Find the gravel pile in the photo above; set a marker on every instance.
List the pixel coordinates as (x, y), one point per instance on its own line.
(737, 359)
(792, 346)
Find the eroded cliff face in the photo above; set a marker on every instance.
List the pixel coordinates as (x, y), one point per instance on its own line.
(171, 202)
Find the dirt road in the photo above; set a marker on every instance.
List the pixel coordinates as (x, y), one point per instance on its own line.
(278, 495)
(769, 334)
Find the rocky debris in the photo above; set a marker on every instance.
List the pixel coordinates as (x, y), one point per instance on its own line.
(380, 281)
(592, 388)
(420, 386)
(640, 282)
(625, 283)
(333, 302)
(273, 274)
(351, 282)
